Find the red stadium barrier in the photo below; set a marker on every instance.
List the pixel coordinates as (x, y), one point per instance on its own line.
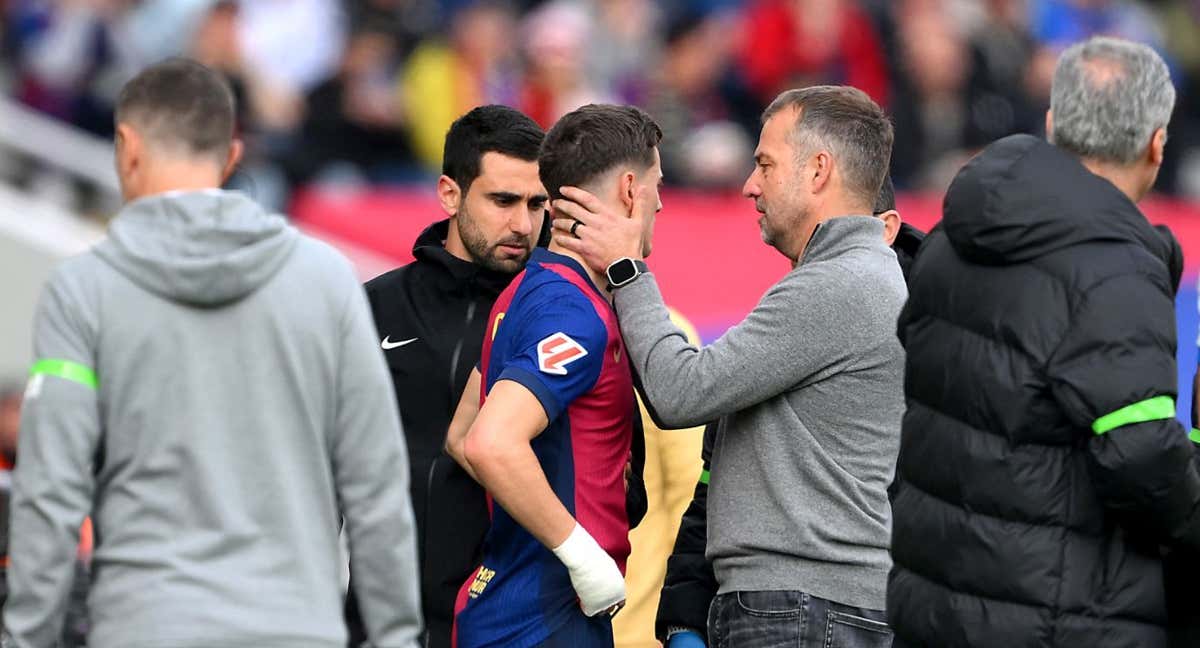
(710, 261)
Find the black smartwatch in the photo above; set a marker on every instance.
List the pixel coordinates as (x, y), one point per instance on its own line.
(623, 271)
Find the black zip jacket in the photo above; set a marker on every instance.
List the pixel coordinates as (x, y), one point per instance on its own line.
(1031, 503)
(690, 584)
(430, 316)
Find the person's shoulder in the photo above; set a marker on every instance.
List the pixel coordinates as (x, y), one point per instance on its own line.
(859, 275)
(81, 272)
(322, 265)
(387, 280)
(546, 290)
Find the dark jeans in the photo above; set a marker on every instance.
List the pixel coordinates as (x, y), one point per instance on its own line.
(794, 620)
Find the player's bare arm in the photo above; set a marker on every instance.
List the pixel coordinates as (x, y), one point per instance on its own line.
(498, 450)
(464, 416)
(496, 447)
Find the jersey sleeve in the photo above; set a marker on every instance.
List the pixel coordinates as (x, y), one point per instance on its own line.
(558, 347)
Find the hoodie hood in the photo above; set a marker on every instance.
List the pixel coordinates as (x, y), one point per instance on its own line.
(204, 248)
(1023, 198)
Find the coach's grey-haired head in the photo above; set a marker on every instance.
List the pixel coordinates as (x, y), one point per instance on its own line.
(1108, 99)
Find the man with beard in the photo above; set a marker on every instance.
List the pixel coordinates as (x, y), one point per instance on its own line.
(690, 585)
(430, 316)
(808, 388)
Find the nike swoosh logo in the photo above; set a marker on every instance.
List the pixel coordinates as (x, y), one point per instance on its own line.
(388, 345)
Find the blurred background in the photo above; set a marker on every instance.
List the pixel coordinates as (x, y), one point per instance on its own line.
(354, 92)
(344, 105)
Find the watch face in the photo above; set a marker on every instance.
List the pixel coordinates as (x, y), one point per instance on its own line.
(622, 271)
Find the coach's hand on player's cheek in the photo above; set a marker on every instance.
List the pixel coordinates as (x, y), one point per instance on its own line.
(604, 235)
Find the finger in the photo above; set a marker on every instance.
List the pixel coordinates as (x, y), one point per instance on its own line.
(574, 210)
(583, 197)
(564, 224)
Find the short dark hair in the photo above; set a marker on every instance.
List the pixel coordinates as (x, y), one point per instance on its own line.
(592, 140)
(886, 200)
(488, 129)
(180, 103)
(850, 125)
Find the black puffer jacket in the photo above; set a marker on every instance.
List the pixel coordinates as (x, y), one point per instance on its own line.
(1032, 500)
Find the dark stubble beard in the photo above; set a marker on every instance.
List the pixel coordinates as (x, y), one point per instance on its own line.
(482, 252)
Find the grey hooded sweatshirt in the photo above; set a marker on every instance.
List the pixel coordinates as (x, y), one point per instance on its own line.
(207, 386)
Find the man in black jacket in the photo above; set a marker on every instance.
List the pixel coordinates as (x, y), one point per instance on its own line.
(1041, 467)
(690, 584)
(431, 316)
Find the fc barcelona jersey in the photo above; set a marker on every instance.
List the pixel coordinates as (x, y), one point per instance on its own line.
(553, 332)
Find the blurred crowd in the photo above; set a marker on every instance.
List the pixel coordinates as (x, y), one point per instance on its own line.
(362, 91)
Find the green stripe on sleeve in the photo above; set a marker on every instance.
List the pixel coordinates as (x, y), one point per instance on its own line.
(72, 371)
(704, 477)
(1194, 436)
(1151, 409)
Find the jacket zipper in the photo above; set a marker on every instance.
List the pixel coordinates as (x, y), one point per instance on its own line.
(454, 358)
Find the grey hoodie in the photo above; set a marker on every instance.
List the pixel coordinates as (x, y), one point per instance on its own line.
(209, 389)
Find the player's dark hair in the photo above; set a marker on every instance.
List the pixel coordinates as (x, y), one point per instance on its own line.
(180, 104)
(591, 141)
(886, 200)
(488, 129)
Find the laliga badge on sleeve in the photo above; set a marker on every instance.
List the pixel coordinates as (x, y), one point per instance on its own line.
(556, 351)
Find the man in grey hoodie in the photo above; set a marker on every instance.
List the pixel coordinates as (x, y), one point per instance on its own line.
(808, 387)
(208, 390)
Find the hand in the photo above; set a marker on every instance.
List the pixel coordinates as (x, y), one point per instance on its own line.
(594, 575)
(603, 235)
(686, 639)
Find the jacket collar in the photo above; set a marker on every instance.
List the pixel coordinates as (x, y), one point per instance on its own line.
(835, 236)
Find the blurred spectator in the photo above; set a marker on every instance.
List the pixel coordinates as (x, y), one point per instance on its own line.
(73, 55)
(625, 36)
(407, 19)
(353, 120)
(291, 44)
(955, 74)
(444, 79)
(1181, 168)
(958, 88)
(700, 146)
(930, 109)
(1002, 100)
(1059, 23)
(796, 43)
(557, 37)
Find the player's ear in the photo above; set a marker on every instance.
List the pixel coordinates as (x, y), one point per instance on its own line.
(627, 190)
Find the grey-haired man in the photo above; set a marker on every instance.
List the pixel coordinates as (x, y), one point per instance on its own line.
(1041, 466)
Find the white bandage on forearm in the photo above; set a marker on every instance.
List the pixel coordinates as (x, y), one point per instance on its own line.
(595, 576)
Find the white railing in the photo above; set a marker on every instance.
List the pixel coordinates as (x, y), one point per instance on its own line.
(58, 144)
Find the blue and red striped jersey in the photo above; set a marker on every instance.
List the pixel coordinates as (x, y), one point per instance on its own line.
(554, 333)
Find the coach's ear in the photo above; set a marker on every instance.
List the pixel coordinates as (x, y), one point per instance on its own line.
(628, 191)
